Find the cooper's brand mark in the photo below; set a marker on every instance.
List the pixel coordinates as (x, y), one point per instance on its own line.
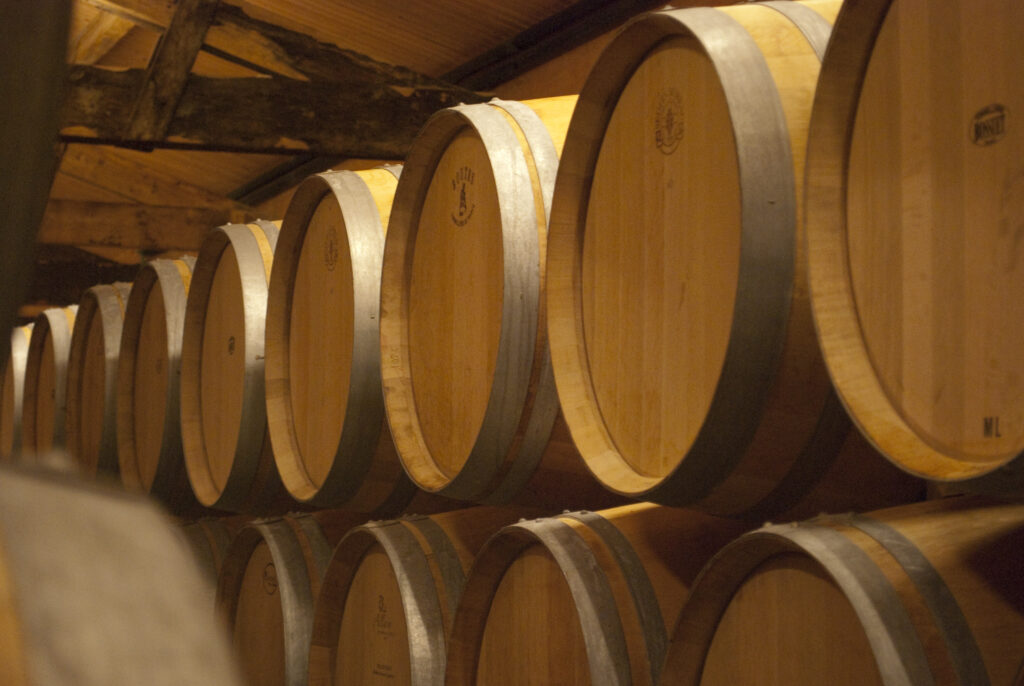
(989, 125)
(270, 579)
(668, 121)
(462, 188)
(331, 248)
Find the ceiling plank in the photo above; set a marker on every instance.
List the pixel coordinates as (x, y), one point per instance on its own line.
(153, 14)
(168, 70)
(278, 114)
(272, 49)
(106, 169)
(97, 38)
(138, 227)
(546, 40)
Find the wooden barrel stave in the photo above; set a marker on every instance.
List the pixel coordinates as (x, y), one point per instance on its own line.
(13, 393)
(226, 444)
(92, 378)
(919, 594)
(323, 398)
(612, 582)
(44, 408)
(471, 401)
(268, 580)
(728, 398)
(149, 445)
(390, 593)
(906, 211)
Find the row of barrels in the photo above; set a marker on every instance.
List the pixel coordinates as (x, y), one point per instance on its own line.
(927, 593)
(664, 276)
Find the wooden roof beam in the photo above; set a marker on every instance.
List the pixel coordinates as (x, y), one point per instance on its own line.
(168, 70)
(137, 227)
(276, 115)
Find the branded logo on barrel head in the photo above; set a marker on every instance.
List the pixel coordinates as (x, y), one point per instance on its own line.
(331, 248)
(988, 125)
(270, 579)
(382, 623)
(668, 121)
(464, 200)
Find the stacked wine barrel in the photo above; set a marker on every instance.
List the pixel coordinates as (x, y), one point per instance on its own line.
(510, 412)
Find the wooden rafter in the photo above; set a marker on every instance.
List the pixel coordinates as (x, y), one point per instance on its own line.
(168, 70)
(137, 227)
(377, 121)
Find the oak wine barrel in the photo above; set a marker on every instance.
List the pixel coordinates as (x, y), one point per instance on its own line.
(268, 581)
(467, 381)
(915, 200)
(148, 385)
(44, 399)
(92, 378)
(682, 338)
(928, 593)
(12, 393)
(227, 449)
(389, 594)
(582, 598)
(323, 391)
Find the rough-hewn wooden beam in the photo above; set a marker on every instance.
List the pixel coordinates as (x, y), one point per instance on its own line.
(139, 227)
(63, 273)
(261, 114)
(107, 169)
(168, 69)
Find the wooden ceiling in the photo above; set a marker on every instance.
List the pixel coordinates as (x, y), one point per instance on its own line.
(181, 115)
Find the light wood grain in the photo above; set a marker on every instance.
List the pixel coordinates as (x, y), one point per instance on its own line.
(388, 596)
(925, 591)
(92, 378)
(93, 396)
(13, 393)
(373, 642)
(322, 373)
(678, 304)
(258, 624)
(44, 407)
(550, 601)
(149, 385)
(781, 598)
(320, 338)
(661, 258)
(149, 405)
(223, 411)
(455, 301)
(468, 392)
(933, 227)
(533, 642)
(222, 367)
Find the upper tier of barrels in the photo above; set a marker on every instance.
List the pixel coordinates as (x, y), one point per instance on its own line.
(573, 301)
